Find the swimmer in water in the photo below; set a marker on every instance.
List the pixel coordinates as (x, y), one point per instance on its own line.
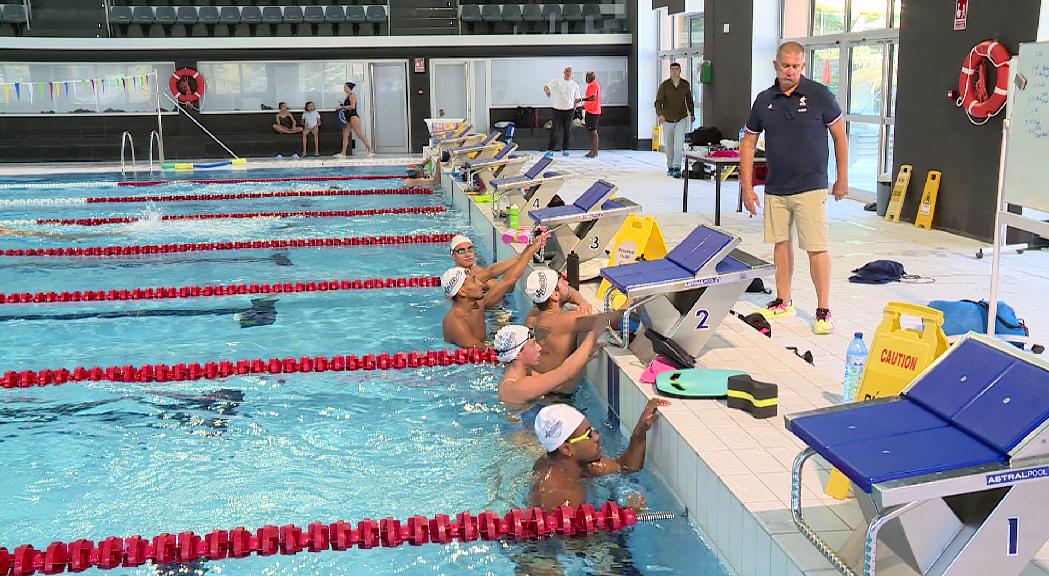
(417, 176)
(50, 234)
(521, 383)
(573, 453)
(465, 324)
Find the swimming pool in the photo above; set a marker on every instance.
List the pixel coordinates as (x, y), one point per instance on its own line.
(108, 458)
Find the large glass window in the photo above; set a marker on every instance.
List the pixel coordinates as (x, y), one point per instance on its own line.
(82, 88)
(868, 15)
(823, 66)
(254, 86)
(828, 17)
(803, 18)
(681, 41)
(867, 73)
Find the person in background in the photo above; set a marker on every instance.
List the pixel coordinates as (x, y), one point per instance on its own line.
(592, 107)
(796, 113)
(350, 120)
(564, 93)
(285, 123)
(573, 453)
(676, 110)
(311, 121)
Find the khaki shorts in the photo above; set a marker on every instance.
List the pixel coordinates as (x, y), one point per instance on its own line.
(806, 211)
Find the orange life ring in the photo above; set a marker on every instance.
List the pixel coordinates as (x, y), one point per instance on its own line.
(187, 85)
(974, 99)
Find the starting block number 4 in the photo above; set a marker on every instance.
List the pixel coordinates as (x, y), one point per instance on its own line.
(702, 315)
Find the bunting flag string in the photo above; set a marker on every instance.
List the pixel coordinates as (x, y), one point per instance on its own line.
(65, 88)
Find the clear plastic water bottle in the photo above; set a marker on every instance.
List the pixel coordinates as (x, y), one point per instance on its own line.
(855, 362)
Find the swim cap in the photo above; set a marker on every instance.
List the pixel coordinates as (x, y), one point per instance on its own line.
(555, 423)
(453, 281)
(351, 85)
(541, 285)
(509, 340)
(459, 239)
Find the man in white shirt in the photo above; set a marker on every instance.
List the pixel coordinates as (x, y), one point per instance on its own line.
(565, 95)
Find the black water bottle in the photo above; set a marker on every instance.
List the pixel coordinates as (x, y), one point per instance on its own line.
(573, 270)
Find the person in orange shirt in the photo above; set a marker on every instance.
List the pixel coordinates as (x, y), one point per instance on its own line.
(592, 106)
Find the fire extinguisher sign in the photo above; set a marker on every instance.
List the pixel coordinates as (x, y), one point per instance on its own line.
(961, 14)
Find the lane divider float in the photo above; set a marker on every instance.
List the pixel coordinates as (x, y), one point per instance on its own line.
(289, 539)
(404, 191)
(137, 250)
(111, 184)
(170, 292)
(244, 215)
(181, 372)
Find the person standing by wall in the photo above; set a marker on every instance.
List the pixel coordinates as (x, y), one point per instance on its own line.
(795, 114)
(564, 93)
(350, 120)
(592, 106)
(676, 110)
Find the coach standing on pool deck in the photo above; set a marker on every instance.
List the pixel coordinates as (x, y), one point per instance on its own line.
(564, 93)
(795, 114)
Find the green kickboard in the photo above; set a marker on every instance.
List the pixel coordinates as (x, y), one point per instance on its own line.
(696, 382)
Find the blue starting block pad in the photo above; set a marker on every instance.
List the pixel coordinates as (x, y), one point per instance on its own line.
(972, 424)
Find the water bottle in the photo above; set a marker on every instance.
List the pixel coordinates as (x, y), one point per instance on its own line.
(855, 361)
(514, 214)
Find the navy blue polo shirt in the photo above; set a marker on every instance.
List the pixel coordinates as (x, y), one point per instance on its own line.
(795, 129)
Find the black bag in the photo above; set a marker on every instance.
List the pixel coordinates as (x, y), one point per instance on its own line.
(705, 136)
(756, 321)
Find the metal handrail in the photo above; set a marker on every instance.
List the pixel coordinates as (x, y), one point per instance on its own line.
(28, 7)
(125, 138)
(153, 135)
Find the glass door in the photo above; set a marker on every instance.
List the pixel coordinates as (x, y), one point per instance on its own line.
(449, 94)
(389, 96)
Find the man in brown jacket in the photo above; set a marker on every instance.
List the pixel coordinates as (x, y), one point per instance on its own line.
(676, 110)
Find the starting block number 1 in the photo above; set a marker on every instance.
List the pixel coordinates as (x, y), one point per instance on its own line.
(1014, 536)
(702, 315)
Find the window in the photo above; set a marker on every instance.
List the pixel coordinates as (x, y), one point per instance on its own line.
(82, 88)
(858, 64)
(258, 86)
(681, 41)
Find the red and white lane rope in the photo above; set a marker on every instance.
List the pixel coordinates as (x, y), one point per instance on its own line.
(405, 191)
(289, 539)
(166, 293)
(137, 250)
(235, 216)
(224, 369)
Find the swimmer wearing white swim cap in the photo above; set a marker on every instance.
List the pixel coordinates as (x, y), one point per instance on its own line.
(573, 451)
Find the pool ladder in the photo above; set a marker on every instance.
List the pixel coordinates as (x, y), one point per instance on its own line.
(125, 139)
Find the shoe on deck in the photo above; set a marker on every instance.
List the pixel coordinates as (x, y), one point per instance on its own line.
(777, 309)
(823, 323)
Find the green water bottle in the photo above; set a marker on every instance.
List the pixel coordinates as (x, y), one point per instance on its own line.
(514, 213)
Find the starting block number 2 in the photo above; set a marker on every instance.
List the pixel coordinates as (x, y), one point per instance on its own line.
(1014, 536)
(702, 315)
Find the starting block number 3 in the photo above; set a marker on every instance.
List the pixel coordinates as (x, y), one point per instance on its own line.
(596, 243)
(702, 316)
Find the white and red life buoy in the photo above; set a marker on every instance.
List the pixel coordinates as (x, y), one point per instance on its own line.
(187, 85)
(976, 100)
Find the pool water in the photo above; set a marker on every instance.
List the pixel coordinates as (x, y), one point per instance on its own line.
(115, 459)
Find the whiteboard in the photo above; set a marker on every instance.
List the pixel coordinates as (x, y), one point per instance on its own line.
(1026, 181)
(520, 81)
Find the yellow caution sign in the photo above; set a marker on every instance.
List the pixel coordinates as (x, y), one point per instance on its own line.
(899, 192)
(897, 356)
(657, 137)
(639, 238)
(928, 205)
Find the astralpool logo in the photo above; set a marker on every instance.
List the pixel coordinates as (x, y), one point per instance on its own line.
(999, 478)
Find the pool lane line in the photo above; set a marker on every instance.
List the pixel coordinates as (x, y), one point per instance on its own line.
(232, 216)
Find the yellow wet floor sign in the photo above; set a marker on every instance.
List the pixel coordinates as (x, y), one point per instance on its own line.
(928, 204)
(897, 356)
(639, 238)
(899, 192)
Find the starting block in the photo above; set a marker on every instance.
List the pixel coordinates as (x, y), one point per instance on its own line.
(639, 238)
(486, 148)
(896, 358)
(505, 164)
(456, 140)
(685, 296)
(531, 191)
(953, 475)
(586, 226)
